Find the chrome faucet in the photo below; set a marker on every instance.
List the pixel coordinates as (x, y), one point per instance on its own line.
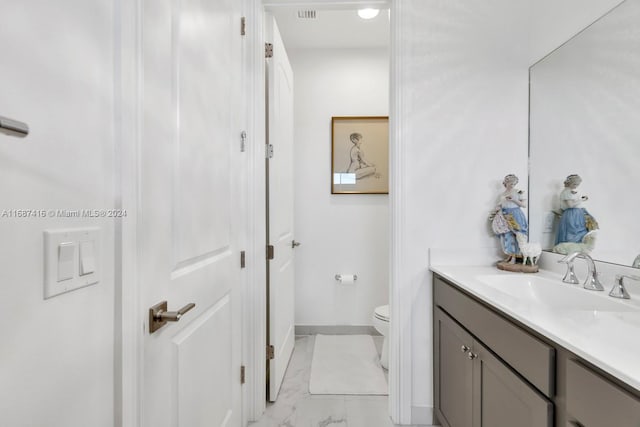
(618, 290)
(592, 283)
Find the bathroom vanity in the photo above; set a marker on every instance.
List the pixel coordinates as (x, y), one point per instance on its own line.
(521, 350)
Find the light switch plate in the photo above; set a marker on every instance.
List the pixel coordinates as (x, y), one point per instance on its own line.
(54, 240)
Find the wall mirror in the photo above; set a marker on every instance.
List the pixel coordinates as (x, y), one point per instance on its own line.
(585, 120)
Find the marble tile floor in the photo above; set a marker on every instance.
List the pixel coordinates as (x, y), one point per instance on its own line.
(295, 407)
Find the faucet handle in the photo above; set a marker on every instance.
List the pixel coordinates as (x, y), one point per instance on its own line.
(570, 275)
(618, 290)
(593, 282)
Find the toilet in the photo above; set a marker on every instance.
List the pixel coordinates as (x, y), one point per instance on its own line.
(381, 323)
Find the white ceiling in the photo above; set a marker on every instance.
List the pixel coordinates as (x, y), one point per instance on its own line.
(331, 29)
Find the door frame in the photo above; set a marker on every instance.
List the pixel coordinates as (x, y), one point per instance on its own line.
(128, 329)
(255, 299)
(400, 297)
(128, 326)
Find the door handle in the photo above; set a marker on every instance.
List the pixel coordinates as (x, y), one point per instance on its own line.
(294, 244)
(159, 316)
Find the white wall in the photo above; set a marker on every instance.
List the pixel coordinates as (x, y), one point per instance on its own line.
(56, 355)
(339, 233)
(553, 22)
(464, 107)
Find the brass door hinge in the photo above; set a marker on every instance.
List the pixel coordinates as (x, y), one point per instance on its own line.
(268, 50)
(243, 26)
(270, 252)
(271, 352)
(242, 375)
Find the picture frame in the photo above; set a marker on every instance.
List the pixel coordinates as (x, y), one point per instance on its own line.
(360, 155)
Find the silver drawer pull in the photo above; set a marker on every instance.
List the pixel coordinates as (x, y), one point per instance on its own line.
(471, 355)
(464, 349)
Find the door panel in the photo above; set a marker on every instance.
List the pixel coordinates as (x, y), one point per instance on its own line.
(504, 398)
(454, 379)
(189, 211)
(281, 222)
(204, 128)
(195, 347)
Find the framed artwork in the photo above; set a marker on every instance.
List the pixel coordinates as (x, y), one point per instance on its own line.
(360, 155)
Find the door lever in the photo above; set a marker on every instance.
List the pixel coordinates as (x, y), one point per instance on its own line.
(159, 316)
(294, 244)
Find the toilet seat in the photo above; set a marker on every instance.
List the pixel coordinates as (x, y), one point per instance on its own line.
(382, 313)
(380, 321)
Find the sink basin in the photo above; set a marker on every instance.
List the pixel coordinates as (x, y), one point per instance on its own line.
(553, 293)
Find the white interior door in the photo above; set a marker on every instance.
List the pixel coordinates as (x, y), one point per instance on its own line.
(189, 222)
(281, 333)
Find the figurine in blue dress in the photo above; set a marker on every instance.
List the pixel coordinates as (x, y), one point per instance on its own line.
(575, 221)
(509, 221)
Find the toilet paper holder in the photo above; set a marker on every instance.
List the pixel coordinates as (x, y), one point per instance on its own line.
(339, 277)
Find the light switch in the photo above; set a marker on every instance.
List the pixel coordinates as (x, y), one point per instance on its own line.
(71, 260)
(66, 258)
(87, 258)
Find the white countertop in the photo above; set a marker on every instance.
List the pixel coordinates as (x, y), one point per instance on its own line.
(609, 340)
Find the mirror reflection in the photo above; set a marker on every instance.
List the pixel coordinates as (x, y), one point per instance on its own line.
(585, 141)
(576, 226)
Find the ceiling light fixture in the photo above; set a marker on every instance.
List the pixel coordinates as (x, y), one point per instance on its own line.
(368, 13)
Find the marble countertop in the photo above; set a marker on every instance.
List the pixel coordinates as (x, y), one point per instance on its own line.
(607, 339)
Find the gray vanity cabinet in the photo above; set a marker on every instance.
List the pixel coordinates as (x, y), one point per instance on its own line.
(593, 401)
(491, 371)
(474, 388)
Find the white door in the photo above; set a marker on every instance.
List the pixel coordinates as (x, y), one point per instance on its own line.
(189, 211)
(281, 333)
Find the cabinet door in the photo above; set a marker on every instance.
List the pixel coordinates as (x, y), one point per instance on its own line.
(502, 398)
(593, 401)
(453, 372)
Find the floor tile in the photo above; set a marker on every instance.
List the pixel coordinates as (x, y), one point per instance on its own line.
(295, 407)
(368, 411)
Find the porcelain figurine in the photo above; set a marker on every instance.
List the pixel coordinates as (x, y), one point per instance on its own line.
(586, 245)
(575, 221)
(509, 223)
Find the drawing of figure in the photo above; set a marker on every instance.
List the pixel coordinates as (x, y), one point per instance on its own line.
(359, 164)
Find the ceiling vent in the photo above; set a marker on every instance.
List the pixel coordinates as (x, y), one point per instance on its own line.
(307, 14)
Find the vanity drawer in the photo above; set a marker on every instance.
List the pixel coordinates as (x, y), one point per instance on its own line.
(529, 356)
(594, 401)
